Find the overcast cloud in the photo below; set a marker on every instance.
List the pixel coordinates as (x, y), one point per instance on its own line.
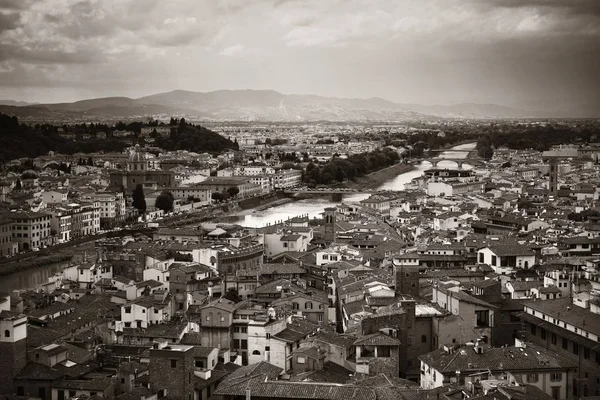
(537, 54)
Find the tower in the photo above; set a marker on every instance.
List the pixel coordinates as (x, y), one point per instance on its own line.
(407, 279)
(329, 235)
(13, 348)
(553, 182)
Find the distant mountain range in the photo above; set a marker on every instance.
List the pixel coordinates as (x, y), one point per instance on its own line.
(257, 105)
(15, 103)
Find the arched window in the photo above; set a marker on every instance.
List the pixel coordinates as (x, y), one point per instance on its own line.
(7, 333)
(256, 353)
(308, 305)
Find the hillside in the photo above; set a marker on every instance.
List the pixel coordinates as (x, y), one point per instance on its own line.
(262, 105)
(19, 140)
(195, 138)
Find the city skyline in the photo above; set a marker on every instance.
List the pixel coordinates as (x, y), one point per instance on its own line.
(533, 54)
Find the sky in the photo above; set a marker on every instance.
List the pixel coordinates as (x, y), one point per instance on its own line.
(532, 54)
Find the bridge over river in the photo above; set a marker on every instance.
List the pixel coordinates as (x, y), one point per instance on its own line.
(336, 193)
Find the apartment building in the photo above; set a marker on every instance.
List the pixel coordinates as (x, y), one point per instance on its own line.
(7, 247)
(85, 219)
(61, 223)
(111, 206)
(30, 229)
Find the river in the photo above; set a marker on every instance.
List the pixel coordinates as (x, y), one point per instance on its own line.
(32, 278)
(314, 207)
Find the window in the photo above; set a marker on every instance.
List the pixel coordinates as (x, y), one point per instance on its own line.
(267, 348)
(556, 376)
(543, 333)
(244, 330)
(533, 330)
(268, 335)
(482, 318)
(6, 333)
(173, 363)
(256, 353)
(494, 261)
(308, 305)
(244, 344)
(127, 310)
(575, 348)
(320, 317)
(565, 344)
(586, 353)
(532, 378)
(553, 338)
(300, 360)
(383, 351)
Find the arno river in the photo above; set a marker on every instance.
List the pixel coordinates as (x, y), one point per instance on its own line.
(312, 207)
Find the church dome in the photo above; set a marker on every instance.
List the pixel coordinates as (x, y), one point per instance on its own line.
(137, 155)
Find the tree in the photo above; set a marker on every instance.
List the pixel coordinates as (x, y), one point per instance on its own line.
(233, 191)
(18, 185)
(139, 199)
(165, 201)
(216, 196)
(484, 147)
(233, 295)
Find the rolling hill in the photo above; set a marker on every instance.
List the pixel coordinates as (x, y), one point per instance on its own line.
(267, 105)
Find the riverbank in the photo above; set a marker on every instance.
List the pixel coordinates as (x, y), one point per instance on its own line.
(19, 266)
(378, 178)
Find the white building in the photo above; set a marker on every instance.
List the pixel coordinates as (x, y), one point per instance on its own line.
(504, 259)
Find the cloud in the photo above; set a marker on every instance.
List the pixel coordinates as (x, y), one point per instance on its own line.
(13, 5)
(8, 21)
(232, 51)
(415, 51)
(464, 20)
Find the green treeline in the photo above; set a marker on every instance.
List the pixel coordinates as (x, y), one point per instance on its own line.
(196, 138)
(20, 140)
(339, 170)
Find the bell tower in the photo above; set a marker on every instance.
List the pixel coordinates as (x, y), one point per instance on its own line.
(329, 215)
(13, 347)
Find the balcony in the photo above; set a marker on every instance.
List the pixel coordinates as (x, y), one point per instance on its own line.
(202, 373)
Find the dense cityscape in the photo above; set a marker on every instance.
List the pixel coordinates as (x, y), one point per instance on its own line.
(315, 260)
(299, 200)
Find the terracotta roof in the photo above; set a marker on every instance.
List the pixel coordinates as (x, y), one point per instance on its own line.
(377, 339)
(466, 360)
(36, 371)
(571, 314)
(297, 390)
